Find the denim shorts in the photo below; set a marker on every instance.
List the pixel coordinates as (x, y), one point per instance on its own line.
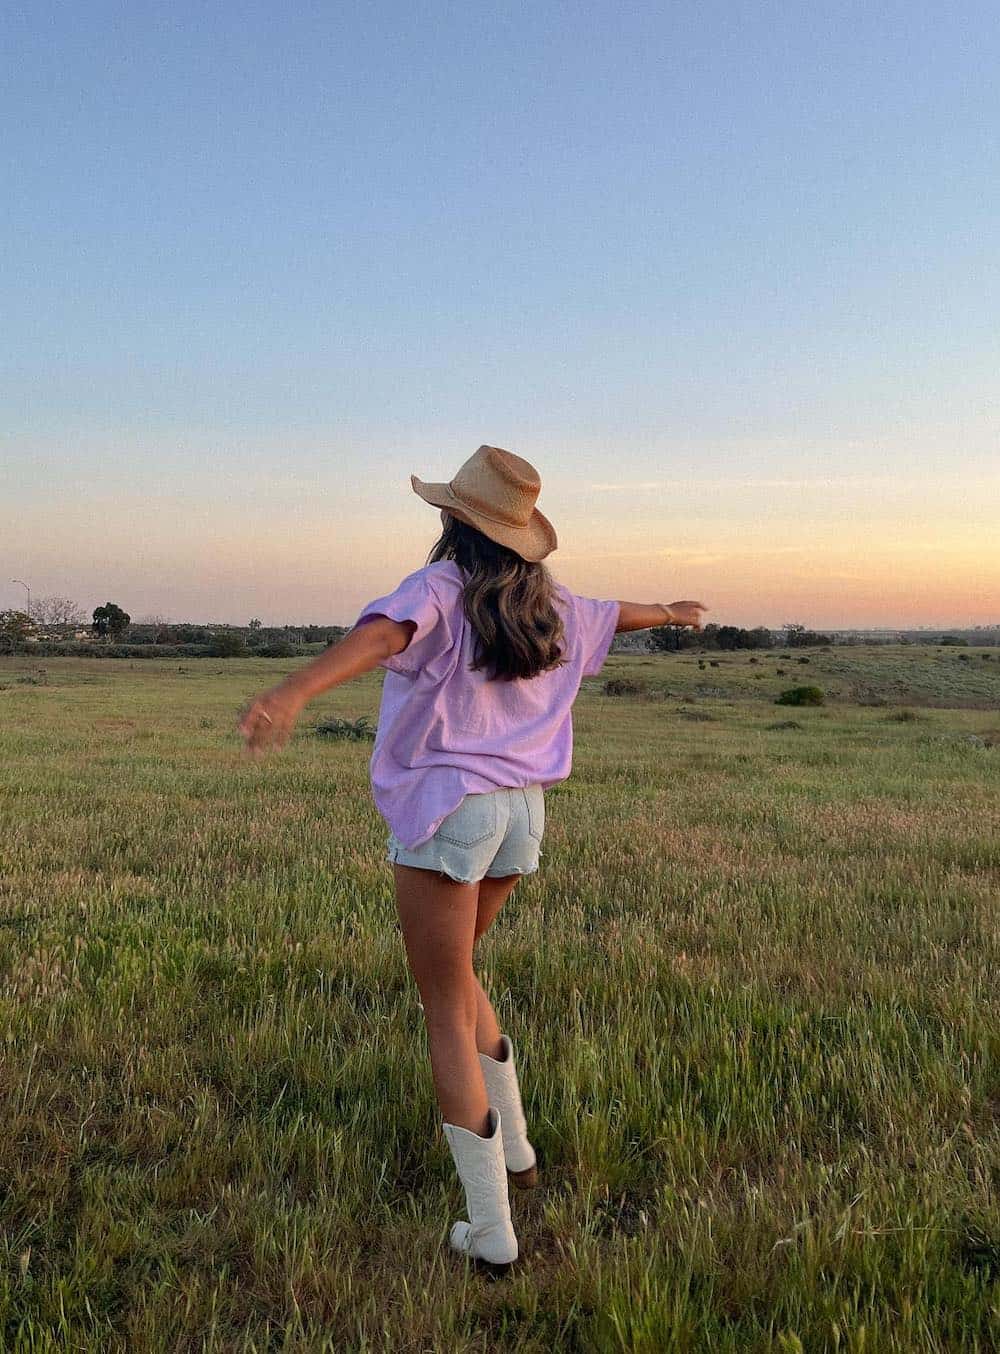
(493, 834)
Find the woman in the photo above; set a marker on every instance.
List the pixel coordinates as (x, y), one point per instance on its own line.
(484, 653)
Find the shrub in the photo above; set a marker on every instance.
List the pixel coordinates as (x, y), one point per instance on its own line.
(804, 660)
(905, 716)
(786, 724)
(801, 695)
(624, 686)
(354, 731)
(279, 648)
(83, 649)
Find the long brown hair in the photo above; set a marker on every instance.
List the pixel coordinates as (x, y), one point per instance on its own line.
(509, 602)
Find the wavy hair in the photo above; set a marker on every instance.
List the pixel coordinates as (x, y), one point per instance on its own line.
(509, 602)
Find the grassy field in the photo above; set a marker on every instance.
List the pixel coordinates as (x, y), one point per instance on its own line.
(754, 990)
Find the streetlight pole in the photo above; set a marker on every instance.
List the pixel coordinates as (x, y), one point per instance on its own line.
(27, 590)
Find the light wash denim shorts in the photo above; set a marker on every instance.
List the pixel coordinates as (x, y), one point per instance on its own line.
(491, 834)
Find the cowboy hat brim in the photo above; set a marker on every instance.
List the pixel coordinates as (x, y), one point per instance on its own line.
(532, 542)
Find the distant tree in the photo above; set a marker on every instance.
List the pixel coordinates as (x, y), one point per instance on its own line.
(667, 638)
(677, 637)
(15, 628)
(797, 636)
(761, 638)
(322, 634)
(110, 620)
(227, 644)
(952, 640)
(192, 634)
(713, 636)
(792, 632)
(58, 611)
(164, 635)
(736, 637)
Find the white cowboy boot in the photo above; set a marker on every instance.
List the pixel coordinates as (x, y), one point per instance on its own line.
(488, 1236)
(503, 1091)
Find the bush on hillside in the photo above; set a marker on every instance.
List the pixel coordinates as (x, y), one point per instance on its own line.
(801, 695)
(625, 686)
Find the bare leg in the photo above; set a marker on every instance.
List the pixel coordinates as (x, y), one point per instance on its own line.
(438, 918)
(502, 1085)
(493, 893)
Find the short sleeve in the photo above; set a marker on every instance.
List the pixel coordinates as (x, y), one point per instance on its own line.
(597, 622)
(413, 600)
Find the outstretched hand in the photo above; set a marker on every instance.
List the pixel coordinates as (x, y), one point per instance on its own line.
(267, 722)
(686, 613)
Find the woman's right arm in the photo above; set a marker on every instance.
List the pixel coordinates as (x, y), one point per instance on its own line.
(644, 616)
(269, 720)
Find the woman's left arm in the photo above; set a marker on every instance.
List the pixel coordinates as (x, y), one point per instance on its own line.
(646, 615)
(268, 721)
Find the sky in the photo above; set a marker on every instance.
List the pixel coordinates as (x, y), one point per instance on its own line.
(727, 274)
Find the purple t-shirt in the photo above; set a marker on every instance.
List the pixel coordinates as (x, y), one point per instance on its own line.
(445, 731)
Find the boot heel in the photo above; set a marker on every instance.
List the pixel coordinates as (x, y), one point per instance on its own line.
(491, 1270)
(524, 1179)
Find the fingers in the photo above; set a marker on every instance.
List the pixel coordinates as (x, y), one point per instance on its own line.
(248, 717)
(264, 729)
(258, 729)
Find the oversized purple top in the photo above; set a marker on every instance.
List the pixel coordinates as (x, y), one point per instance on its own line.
(445, 731)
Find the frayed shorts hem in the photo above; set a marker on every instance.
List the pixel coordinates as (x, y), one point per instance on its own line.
(398, 856)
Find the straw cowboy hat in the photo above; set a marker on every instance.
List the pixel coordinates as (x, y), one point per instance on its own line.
(495, 492)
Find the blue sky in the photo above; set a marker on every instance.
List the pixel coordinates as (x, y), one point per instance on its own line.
(728, 274)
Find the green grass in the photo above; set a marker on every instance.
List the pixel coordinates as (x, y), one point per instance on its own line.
(754, 991)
